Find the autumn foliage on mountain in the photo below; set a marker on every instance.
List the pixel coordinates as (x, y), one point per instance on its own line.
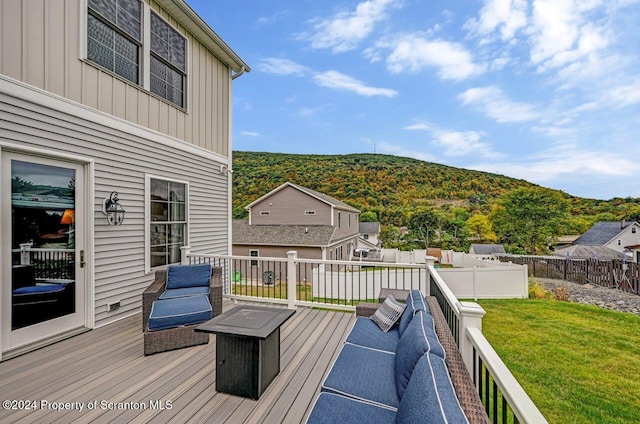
(426, 204)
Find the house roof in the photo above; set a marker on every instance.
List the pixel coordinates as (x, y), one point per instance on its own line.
(577, 251)
(282, 235)
(369, 228)
(602, 232)
(487, 249)
(180, 10)
(332, 201)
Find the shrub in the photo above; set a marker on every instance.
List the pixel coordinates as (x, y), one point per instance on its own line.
(561, 293)
(537, 291)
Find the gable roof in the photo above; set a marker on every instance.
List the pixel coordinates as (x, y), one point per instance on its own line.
(487, 249)
(588, 252)
(369, 228)
(281, 235)
(332, 201)
(602, 232)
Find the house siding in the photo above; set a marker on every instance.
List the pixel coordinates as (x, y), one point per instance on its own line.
(122, 159)
(344, 229)
(41, 45)
(288, 206)
(626, 237)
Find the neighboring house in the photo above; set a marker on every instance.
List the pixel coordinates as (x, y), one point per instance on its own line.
(579, 251)
(486, 249)
(616, 235)
(96, 97)
(292, 217)
(370, 232)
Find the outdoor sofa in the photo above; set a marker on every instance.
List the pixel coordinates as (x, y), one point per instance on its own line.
(180, 298)
(411, 374)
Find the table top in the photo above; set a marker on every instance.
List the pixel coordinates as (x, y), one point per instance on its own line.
(250, 321)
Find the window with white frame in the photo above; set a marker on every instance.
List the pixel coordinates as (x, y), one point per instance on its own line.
(116, 42)
(633, 230)
(168, 61)
(309, 212)
(114, 36)
(254, 254)
(265, 213)
(167, 220)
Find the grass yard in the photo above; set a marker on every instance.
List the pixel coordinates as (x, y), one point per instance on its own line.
(578, 363)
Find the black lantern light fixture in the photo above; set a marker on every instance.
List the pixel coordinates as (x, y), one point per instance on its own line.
(113, 209)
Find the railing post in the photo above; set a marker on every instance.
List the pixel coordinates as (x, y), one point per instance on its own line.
(25, 256)
(429, 261)
(184, 251)
(470, 317)
(291, 279)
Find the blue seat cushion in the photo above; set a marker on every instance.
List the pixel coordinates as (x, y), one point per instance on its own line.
(331, 408)
(415, 302)
(181, 276)
(366, 333)
(48, 288)
(414, 343)
(364, 374)
(179, 311)
(187, 291)
(430, 397)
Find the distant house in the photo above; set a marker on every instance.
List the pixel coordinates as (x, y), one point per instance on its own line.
(604, 241)
(486, 249)
(614, 235)
(370, 232)
(292, 217)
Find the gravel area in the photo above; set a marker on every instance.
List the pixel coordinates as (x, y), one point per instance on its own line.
(614, 299)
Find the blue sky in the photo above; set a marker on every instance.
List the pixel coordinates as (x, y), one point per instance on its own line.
(543, 90)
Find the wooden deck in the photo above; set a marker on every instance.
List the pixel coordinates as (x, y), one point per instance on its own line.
(107, 365)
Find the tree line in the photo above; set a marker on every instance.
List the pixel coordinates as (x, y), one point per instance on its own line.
(421, 204)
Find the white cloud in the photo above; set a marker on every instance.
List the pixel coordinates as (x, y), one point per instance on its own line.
(345, 30)
(338, 81)
(507, 15)
(495, 104)
(277, 66)
(456, 143)
(413, 53)
(625, 95)
(251, 133)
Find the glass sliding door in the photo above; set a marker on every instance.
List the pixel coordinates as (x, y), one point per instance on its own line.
(43, 210)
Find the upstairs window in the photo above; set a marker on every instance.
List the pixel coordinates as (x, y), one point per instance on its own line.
(168, 61)
(114, 36)
(309, 212)
(265, 213)
(633, 230)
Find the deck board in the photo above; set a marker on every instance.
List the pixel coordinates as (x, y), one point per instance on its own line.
(108, 364)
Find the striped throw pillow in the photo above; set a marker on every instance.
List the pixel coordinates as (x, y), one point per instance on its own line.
(388, 313)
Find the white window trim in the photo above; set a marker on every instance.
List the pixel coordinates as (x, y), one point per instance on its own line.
(310, 212)
(265, 213)
(256, 256)
(147, 217)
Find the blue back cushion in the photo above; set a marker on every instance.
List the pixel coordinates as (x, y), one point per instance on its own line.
(430, 397)
(181, 276)
(414, 343)
(415, 303)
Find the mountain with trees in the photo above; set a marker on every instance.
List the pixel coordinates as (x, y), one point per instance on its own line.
(422, 204)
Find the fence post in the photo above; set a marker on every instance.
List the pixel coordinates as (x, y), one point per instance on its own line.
(470, 317)
(25, 256)
(429, 261)
(292, 255)
(184, 251)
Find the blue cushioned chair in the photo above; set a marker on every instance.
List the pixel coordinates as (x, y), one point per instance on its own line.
(180, 297)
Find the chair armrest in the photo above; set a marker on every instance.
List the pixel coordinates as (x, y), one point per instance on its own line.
(151, 294)
(215, 290)
(366, 309)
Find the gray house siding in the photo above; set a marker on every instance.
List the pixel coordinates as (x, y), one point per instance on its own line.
(348, 223)
(288, 207)
(122, 158)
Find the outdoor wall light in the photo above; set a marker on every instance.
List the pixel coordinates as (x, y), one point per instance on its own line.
(113, 210)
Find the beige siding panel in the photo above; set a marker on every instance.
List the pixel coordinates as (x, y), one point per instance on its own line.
(121, 162)
(40, 44)
(11, 29)
(55, 52)
(288, 206)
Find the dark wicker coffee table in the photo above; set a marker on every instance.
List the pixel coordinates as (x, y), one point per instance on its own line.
(247, 348)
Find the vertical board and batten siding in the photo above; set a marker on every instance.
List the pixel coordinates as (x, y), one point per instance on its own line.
(287, 207)
(345, 230)
(40, 45)
(121, 162)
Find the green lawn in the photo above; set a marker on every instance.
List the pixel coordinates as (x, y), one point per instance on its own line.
(578, 363)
